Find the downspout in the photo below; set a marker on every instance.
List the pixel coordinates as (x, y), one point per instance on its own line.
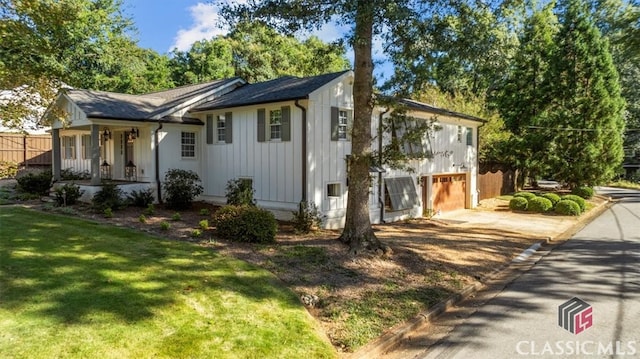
(304, 150)
(380, 197)
(157, 158)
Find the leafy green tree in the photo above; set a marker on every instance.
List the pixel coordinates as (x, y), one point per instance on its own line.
(206, 60)
(80, 43)
(256, 52)
(463, 48)
(586, 107)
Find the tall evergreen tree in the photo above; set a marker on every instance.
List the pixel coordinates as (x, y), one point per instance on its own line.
(586, 107)
(523, 99)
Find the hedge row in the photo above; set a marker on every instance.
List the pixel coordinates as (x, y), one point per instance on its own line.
(568, 205)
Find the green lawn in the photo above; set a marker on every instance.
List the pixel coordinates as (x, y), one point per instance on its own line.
(76, 289)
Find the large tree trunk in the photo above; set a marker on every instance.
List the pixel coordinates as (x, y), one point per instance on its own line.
(357, 232)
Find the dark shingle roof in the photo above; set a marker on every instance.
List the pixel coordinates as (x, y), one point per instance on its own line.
(419, 106)
(281, 89)
(111, 105)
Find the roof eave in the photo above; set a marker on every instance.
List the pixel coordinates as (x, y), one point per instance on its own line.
(210, 108)
(195, 99)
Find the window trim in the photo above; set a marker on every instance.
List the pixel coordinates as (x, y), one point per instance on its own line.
(343, 124)
(264, 124)
(69, 147)
(271, 125)
(340, 131)
(85, 143)
(183, 145)
(221, 118)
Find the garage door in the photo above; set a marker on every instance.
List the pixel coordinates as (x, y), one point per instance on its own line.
(449, 192)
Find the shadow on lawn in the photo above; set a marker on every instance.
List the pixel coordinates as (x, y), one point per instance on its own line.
(82, 272)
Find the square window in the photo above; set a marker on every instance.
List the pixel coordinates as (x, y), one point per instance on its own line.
(333, 190)
(275, 124)
(188, 145)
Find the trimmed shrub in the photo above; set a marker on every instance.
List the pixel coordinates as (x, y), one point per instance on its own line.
(35, 183)
(554, 198)
(306, 218)
(226, 220)
(68, 174)
(142, 198)
(577, 199)
(67, 195)
(246, 224)
(568, 207)
(109, 196)
(150, 210)
(518, 204)
(240, 192)
(527, 195)
(182, 187)
(584, 192)
(203, 224)
(539, 205)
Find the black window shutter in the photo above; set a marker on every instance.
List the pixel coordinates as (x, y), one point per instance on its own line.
(209, 129)
(286, 123)
(334, 123)
(261, 125)
(228, 127)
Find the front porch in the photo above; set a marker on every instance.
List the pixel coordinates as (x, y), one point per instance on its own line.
(104, 151)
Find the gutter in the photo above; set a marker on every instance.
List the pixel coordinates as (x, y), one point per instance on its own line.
(157, 160)
(380, 198)
(304, 150)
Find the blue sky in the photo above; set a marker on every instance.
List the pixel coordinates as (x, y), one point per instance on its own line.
(167, 24)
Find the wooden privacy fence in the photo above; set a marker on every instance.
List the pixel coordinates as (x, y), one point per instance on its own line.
(496, 183)
(25, 150)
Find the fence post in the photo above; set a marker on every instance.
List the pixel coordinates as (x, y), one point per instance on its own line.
(24, 151)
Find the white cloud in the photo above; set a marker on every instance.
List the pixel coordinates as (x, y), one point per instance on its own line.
(206, 24)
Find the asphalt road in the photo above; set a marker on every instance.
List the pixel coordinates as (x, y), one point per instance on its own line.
(600, 265)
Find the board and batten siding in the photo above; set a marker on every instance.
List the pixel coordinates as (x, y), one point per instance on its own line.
(275, 167)
(170, 145)
(449, 155)
(326, 158)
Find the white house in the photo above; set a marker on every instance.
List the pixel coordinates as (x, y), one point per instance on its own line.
(288, 136)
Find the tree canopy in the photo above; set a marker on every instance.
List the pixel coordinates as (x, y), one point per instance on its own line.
(256, 52)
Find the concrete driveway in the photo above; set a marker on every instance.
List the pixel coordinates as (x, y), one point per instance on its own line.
(501, 219)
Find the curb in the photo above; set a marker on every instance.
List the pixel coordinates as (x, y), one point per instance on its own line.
(393, 336)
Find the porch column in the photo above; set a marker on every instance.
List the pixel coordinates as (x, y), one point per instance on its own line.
(56, 154)
(95, 155)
